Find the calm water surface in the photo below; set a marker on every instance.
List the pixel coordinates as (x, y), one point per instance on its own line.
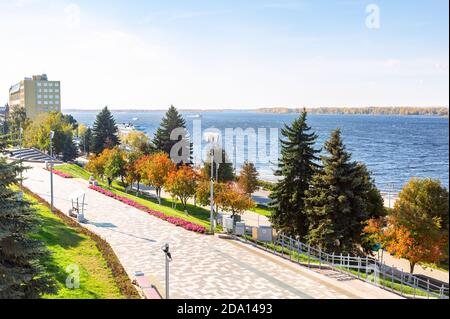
(394, 148)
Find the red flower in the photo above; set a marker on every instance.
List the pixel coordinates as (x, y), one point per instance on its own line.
(173, 220)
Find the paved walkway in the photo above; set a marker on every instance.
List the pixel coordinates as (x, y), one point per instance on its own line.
(262, 197)
(250, 218)
(203, 266)
(418, 269)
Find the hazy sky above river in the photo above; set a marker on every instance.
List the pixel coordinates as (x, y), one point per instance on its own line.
(229, 53)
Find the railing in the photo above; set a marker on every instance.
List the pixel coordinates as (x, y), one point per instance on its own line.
(363, 268)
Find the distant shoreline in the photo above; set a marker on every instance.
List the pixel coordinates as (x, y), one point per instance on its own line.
(401, 111)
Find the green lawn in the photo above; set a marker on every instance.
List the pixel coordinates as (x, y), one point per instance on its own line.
(197, 215)
(68, 247)
(74, 170)
(387, 282)
(294, 255)
(262, 210)
(443, 266)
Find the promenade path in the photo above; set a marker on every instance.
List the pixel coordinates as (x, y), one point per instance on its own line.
(203, 266)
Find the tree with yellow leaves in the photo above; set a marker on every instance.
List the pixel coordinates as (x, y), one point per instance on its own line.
(417, 229)
(155, 169)
(181, 183)
(232, 199)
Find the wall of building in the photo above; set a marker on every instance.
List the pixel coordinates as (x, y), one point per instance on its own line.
(36, 95)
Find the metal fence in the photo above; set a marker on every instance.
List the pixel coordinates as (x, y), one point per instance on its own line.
(364, 268)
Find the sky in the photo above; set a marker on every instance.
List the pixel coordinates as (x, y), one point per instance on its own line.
(230, 53)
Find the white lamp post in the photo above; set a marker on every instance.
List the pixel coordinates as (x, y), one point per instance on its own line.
(20, 136)
(168, 258)
(52, 134)
(21, 133)
(390, 191)
(212, 138)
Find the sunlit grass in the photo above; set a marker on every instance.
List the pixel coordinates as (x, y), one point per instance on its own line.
(68, 247)
(262, 210)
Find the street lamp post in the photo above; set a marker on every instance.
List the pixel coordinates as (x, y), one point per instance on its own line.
(212, 138)
(390, 190)
(217, 172)
(51, 170)
(211, 197)
(168, 258)
(21, 133)
(20, 136)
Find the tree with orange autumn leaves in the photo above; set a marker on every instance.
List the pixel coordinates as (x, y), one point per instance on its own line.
(232, 199)
(97, 163)
(110, 163)
(132, 173)
(154, 170)
(182, 183)
(159, 171)
(417, 228)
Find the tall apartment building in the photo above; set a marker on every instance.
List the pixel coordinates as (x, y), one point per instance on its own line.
(37, 95)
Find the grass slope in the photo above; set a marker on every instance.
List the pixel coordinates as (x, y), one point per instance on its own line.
(262, 210)
(68, 247)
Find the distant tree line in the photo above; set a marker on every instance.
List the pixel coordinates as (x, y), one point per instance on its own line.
(373, 110)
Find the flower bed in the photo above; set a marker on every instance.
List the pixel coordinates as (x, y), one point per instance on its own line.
(61, 174)
(173, 220)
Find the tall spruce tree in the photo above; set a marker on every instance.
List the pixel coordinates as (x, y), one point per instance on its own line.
(248, 178)
(162, 141)
(297, 165)
(104, 132)
(222, 167)
(341, 197)
(21, 274)
(70, 150)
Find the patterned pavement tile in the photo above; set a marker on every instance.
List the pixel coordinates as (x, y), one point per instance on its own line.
(202, 267)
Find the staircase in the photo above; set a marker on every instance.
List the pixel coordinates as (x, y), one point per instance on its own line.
(30, 155)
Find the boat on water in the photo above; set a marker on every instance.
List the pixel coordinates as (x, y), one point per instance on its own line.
(194, 116)
(125, 128)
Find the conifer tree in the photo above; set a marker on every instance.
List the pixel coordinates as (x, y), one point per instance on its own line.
(341, 197)
(297, 165)
(172, 121)
(222, 168)
(70, 150)
(21, 274)
(104, 132)
(248, 178)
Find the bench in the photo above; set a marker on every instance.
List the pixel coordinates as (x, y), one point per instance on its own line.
(148, 290)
